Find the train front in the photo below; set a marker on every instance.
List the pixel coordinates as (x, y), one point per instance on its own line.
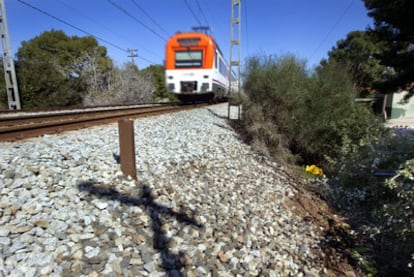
(189, 65)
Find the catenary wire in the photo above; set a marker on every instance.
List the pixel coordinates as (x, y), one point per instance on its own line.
(332, 29)
(202, 13)
(81, 30)
(150, 17)
(192, 12)
(105, 27)
(136, 20)
(71, 25)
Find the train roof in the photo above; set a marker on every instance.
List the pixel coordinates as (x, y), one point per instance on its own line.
(188, 35)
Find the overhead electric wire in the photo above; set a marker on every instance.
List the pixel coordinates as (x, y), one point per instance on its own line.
(72, 26)
(144, 59)
(85, 15)
(88, 17)
(333, 28)
(81, 30)
(202, 13)
(150, 17)
(192, 12)
(136, 19)
(105, 27)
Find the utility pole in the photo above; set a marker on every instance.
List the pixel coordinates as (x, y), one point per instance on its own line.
(132, 54)
(8, 63)
(235, 33)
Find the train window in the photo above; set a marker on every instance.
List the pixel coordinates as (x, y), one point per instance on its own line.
(189, 59)
(223, 68)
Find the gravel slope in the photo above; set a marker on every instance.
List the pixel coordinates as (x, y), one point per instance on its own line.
(204, 205)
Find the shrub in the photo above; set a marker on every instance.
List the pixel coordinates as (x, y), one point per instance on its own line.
(314, 116)
(381, 206)
(396, 215)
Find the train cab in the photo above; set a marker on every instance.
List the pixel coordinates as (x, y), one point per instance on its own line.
(194, 65)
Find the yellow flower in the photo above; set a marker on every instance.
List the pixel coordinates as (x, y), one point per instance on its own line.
(314, 170)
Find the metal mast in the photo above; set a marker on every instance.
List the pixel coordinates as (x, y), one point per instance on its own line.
(8, 63)
(132, 54)
(235, 33)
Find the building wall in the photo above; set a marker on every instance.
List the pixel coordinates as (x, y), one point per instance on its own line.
(402, 105)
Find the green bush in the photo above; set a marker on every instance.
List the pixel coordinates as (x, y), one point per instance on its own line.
(298, 117)
(313, 115)
(380, 207)
(396, 214)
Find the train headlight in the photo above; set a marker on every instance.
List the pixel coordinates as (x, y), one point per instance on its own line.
(205, 87)
(171, 87)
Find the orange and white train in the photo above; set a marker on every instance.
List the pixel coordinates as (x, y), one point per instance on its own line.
(195, 67)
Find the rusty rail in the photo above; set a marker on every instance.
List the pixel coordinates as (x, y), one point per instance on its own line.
(26, 126)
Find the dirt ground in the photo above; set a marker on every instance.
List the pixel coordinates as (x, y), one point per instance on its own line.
(338, 238)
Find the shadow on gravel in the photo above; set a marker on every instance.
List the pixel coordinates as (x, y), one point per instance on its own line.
(172, 263)
(232, 123)
(216, 114)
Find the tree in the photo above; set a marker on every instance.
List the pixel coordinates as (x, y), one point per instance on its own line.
(135, 86)
(97, 71)
(158, 79)
(393, 25)
(54, 69)
(126, 85)
(359, 54)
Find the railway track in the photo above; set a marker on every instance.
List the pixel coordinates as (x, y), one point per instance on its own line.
(20, 126)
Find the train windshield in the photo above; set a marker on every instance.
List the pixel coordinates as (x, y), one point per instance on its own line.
(189, 59)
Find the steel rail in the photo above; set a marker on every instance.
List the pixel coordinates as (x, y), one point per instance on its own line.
(18, 128)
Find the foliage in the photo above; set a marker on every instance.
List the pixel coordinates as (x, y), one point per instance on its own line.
(358, 53)
(56, 70)
(96, 71)
(50, 68)
(133, 86)
(397, 216)
(262, 133)
(266, 81)
(393, 27)
(158, 79)
(383, 55)
(126, 85)
(314, 116)
(380, 206)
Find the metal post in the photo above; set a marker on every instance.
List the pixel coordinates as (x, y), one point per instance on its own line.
(127, 147)
(8, 63)
(235, 34)
(132, 54)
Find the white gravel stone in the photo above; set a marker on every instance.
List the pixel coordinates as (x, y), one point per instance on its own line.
(212, 207)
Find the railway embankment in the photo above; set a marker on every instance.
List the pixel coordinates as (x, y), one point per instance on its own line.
(204, 204)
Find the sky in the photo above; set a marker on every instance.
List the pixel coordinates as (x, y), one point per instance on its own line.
(307, 29)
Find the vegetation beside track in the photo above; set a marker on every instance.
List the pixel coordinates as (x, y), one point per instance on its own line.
(57, 70)
(302, 119)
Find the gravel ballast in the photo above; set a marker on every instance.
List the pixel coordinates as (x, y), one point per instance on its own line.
(205, 204)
